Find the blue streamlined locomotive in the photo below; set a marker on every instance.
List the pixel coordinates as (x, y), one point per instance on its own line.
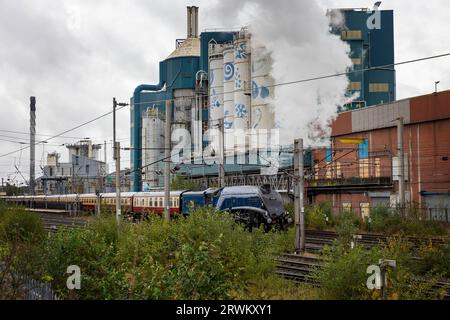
(253, 206)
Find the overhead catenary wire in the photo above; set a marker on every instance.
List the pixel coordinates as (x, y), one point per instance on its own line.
(66, 131)
(339, 74)
(274, 85)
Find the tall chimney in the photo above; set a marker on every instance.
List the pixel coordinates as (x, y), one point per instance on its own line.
(192, 22)
(32, 141)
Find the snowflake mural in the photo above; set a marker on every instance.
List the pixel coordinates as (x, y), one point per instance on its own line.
(240, 110)
(227, 123)
(215, 102)
(237, 79)
(240, 51)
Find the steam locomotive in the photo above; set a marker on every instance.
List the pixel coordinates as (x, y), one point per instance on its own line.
(253, 206)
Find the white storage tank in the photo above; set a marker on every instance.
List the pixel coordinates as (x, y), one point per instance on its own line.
(215, 84)
(242, 99)
(228, 87)
(152, 144)
(262, 111)
(182, 106)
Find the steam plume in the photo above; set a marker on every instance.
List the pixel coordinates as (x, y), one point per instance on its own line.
(297, 35)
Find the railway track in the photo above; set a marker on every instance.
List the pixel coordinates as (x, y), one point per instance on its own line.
(52, 221)
(300, 267)
(322, 238)
(296, 267)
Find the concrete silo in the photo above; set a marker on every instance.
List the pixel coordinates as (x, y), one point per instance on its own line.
(242, 80)
(228, 86)
(262, 112)
(216, 85)
(152, 145)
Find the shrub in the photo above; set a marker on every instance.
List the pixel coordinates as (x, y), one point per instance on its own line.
(21, 251)
(204, 256)
(433, 259)
(346, 226)
(92, 251)
(344, 276)
(318, 216)
(18, 225)
(414, 223)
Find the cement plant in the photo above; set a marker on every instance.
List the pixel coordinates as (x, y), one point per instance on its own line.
(238, 152)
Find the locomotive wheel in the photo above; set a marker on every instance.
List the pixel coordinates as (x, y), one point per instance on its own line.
(250, 220)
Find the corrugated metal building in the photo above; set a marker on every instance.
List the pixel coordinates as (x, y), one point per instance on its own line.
(361, 167)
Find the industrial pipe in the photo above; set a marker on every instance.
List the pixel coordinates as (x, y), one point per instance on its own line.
(136, 179)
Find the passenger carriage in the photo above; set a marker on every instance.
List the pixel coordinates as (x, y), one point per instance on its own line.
(153, 202)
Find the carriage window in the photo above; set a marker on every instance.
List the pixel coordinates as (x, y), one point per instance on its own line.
(161, 203)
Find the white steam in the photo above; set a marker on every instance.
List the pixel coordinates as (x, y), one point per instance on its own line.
(297, 35)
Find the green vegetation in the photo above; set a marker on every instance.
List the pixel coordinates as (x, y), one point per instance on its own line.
(344, 276)
(319, 216)
(181, 183)
(389, 221)
(204, 256)
(21, 250)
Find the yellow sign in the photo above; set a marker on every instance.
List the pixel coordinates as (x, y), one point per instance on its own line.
(357, 141)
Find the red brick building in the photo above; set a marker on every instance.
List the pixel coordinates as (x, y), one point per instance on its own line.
(361, 168)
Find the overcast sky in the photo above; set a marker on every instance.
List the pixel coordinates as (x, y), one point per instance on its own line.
(75, 56)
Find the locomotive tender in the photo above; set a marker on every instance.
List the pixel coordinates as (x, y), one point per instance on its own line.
(250, 205)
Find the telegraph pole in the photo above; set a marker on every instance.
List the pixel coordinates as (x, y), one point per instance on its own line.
(299, 208)
(106, 161)
(167, 138)
(117, 159)
(32, 141)
(401, 169)
(221, 154)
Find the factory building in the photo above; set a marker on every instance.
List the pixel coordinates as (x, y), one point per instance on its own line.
(220, 80)
(361, 168)
(84, 173)
(370, 35)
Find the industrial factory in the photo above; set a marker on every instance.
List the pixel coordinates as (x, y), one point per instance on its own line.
(221, 80)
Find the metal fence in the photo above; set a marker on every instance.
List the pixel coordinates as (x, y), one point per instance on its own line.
(438, 214)
(37, 290)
